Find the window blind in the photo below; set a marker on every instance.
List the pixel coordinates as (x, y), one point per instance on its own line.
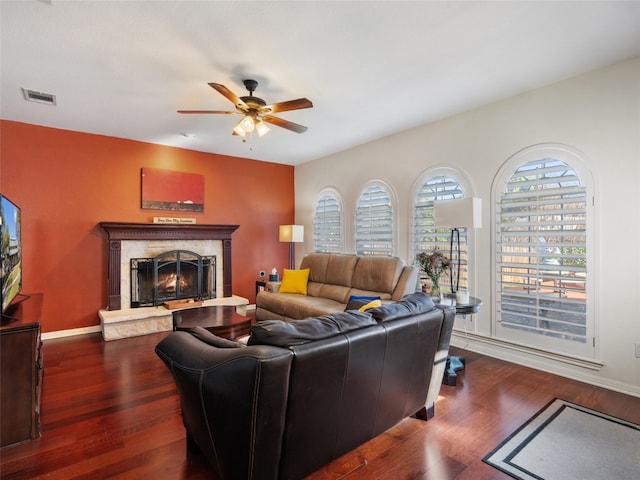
(426, 236)
(327, 225)
(541, 251)
(374, 222)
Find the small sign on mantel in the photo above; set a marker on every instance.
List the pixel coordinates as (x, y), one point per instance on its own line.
(174, 220)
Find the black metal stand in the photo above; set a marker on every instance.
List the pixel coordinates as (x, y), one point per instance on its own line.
(455, 281)
(455, 363)
(292, 256)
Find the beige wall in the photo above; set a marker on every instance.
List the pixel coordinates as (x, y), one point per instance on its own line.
(597, 114)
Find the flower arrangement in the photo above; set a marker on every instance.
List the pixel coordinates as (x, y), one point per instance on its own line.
(434, 264)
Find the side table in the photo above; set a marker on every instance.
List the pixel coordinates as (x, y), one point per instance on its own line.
(455, 363)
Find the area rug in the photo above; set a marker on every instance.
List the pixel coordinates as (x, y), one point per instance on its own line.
(564, 441)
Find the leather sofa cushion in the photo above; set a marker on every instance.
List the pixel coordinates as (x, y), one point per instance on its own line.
(330, 269)
(409, 305)
(317, 265)
(296, 306)
(338, 293)
(329, 275)
(375, 273)
(297, 332)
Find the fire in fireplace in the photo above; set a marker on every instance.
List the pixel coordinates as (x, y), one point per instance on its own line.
(173, 275)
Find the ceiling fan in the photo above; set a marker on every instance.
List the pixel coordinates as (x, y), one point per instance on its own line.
(256, 111)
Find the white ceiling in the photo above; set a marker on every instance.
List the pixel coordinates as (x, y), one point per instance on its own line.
(371, 69)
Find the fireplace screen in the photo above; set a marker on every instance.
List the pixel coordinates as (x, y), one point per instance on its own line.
(174, 275)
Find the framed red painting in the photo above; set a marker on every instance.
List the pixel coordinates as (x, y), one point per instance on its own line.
(174, 191)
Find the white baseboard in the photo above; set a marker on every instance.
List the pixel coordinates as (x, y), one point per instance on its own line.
(574, 369)
(71, 332)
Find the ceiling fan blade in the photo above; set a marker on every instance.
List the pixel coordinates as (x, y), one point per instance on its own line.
(279, 122)
(237, 101)
(296, 104)
(210, 111)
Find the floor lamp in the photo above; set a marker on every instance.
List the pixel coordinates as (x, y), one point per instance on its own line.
(455, 214)
(291, 234)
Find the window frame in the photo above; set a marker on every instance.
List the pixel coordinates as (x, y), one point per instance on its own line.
(576, 162)
(443, 235)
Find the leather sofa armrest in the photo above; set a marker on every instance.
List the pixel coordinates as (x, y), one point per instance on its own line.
(440, 360)
(272, 287)
(406, 283)
(218, 389)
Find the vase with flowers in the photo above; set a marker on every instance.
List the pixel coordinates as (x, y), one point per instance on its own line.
(434, 264)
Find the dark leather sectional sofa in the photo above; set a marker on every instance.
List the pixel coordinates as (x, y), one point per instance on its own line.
(305, 392)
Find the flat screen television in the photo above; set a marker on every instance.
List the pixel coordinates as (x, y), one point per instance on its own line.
(11, 252)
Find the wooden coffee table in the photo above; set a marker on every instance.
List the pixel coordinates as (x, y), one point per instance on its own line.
(222, 321)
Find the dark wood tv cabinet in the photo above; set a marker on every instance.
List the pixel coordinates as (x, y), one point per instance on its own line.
(21, 372)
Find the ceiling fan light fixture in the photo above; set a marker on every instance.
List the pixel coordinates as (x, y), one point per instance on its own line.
(248, 123)
(238, 130)
(261, 128)
(255, 111)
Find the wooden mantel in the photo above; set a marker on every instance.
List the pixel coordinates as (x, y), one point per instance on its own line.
(118, 231)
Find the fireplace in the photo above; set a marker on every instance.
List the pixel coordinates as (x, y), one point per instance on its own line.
(146, 240)
(178, 251)
(172, 275)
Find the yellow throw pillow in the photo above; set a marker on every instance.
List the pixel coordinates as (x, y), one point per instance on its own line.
(371, 304)
(294, 281)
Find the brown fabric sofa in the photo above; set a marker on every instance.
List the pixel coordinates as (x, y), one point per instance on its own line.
(333, 279)
(305, 392)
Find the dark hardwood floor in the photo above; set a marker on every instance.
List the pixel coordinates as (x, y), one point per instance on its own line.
(110, 410)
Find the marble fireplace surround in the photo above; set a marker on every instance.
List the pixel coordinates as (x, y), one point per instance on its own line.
(128, 240)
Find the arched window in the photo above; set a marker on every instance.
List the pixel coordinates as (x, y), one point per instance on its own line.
(542, 252)
(327, 224)
(374, 221)
(427, 238)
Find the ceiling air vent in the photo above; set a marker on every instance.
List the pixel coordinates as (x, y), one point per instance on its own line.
(40, 97)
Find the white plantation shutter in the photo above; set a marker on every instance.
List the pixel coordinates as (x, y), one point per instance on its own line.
(426, 236)
(327, 225)
(374, 222)
(541, 258)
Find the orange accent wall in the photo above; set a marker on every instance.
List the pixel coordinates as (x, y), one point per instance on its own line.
(67, 182)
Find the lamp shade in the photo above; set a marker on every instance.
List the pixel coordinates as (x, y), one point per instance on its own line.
(292, 233)
(461, 212)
